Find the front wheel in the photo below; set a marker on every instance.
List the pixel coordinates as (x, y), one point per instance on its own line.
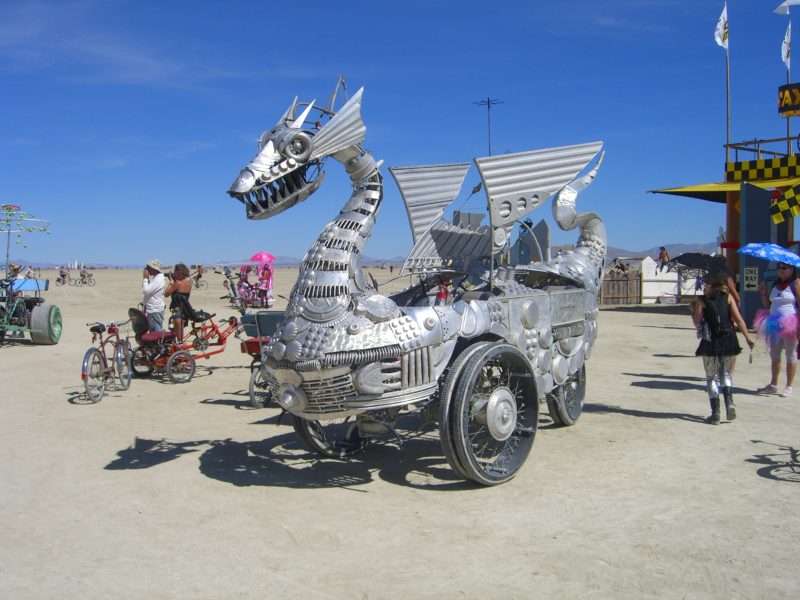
(181, 367)
(122, 364)
(337, 438)
(90, 282)
(202, 284)
(260, 394)
(495, 414)
(93, 375)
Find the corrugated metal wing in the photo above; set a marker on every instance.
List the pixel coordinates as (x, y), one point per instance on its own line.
(516, 184)
(427, 191)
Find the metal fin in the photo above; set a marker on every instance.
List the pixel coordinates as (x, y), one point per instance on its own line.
(289, 112)
(345, 129)
(427, 191)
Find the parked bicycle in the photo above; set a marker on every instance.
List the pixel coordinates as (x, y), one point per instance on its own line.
(109, 362)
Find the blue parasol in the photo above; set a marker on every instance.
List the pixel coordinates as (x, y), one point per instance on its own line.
(771, 252)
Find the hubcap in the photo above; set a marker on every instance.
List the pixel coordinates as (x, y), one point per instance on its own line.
(501, 413)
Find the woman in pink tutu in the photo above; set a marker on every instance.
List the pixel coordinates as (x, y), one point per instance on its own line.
(778, 325)
(714, 314)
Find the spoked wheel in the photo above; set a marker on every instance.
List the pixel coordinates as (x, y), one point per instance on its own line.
(141, 363)
(494, 414)
(90, 282)
(180, 367)
(122, 364)
(78, 282)
(446, 395)
(202, 284)
(337, 438)
(94, 379)
(565, 403)
(260, 394)
(71, 281)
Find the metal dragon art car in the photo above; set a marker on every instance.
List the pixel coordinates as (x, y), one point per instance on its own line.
(346, 360)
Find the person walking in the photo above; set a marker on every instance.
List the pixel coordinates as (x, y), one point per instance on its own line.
(153, 285)
(714, 315)
(778, 325)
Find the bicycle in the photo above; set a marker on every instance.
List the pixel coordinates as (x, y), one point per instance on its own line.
(199, 284)
(96, 370)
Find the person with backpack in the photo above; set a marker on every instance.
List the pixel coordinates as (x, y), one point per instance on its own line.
(714, 315)
(778, 325)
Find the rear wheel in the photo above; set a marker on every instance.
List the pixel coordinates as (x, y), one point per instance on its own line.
(260, 394)
(71, 281)
(46, 324)
(122, 364)
(180, 367)
(565, 403)
(141, 363)
(92, 373)
(495, 413)
(337, 438)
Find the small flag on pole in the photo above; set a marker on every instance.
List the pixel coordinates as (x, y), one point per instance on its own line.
(785, 206)
(783, 9)
(786, 48)
(721, 32)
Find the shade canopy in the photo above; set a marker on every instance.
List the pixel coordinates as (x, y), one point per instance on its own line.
(716, 192)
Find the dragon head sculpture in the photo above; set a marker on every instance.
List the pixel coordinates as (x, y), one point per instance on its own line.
(289, 165)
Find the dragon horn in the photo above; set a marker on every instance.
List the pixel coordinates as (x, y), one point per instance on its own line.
(298, 122)
(289, 111)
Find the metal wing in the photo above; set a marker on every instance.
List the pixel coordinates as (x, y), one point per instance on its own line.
(427, 191)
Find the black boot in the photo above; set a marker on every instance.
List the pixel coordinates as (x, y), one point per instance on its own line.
(730, 409)
(714, 418)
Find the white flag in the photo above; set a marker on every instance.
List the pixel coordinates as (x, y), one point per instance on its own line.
(721, 32)
(786, 47)
(783, 9)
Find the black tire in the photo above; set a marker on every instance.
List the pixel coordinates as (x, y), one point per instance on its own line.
(93, 375)
(78, 283)
(46, 324)
(565, 403)
(59, 281)
(202, 284)
(495, 413)
(181, 367)
(122, 364)
(446, 394)
(141, 364)
(260, 394)
(337, 438)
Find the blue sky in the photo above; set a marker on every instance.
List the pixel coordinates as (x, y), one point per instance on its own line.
(124, 122)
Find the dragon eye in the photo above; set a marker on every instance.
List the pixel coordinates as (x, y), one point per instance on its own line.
(299, 146)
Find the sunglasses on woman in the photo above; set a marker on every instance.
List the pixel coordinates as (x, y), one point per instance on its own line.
(782, 267)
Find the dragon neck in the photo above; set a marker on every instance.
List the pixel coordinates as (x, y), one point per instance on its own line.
(331, 272)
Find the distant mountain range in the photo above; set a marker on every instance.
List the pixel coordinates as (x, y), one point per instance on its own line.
(371, 261)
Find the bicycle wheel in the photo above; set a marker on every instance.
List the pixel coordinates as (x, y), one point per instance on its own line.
(260, 394)
(180, 367)
(90, 282)
(122, 364)
(94, 379)
(71, 281)
(78, 283)
(141, 364)
(202, 284)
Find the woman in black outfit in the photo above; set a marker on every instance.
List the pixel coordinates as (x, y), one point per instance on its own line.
(714, 315)
(179, 288)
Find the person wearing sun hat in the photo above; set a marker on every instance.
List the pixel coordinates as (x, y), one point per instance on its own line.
(153, 285)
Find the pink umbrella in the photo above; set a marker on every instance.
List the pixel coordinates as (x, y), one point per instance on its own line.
(262, 257)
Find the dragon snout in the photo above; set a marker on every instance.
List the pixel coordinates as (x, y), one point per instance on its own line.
(243, 183)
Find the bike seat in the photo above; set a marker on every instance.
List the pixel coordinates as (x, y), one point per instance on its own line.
(152, 337)
(99, 328)
(200, 316)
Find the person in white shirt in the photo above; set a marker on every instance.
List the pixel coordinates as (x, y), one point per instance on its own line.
(153, 286)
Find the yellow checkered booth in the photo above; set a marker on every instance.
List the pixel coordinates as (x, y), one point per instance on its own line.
(786, 206)
(763, 169)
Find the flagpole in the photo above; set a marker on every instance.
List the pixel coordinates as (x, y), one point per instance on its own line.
(727, 105)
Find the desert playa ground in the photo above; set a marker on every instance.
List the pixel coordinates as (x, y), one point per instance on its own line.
(183, 491)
